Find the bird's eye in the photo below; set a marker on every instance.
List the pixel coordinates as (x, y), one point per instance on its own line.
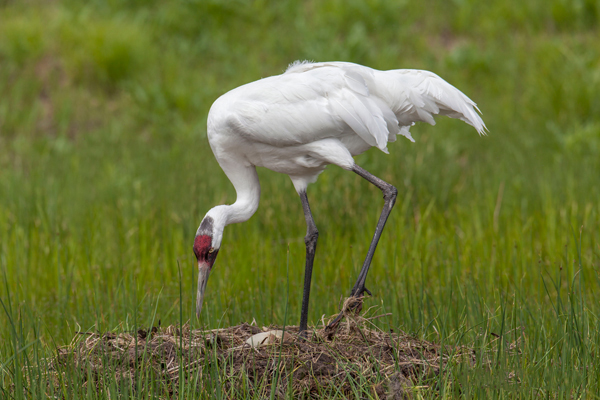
(211, 250)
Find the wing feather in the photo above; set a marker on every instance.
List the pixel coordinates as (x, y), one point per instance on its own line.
(314, 101)
(362, 115)
(427, 94)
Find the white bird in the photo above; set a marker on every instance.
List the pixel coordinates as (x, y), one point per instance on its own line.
(297, 123)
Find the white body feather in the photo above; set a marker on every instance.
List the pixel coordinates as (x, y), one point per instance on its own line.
(316, 114)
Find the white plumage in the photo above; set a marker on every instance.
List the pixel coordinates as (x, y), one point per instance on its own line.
(316, 114)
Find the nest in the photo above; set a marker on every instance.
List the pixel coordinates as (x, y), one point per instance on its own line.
(391, 364)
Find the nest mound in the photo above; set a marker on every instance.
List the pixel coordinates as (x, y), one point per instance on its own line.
(391, 364)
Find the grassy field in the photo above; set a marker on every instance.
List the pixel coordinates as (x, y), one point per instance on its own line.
(105, 174)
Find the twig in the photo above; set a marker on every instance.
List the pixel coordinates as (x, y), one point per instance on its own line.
(378, 316)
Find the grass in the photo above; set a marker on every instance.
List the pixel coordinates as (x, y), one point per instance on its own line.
(105, 173)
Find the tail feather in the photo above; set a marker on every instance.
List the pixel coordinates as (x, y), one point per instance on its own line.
(379, 105)
(419, 95)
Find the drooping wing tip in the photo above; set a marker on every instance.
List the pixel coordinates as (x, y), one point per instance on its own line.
(404, 131)
(480, 127)
(483, 131)
(477, 122)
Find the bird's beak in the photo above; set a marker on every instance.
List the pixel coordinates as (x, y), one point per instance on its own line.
(203, 272)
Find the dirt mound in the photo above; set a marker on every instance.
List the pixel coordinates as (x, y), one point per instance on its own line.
(357, 353)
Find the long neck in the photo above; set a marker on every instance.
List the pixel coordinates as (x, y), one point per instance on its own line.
(247, 187)
(246, 184)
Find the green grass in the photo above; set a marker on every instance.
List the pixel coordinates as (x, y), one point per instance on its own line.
(105, 174)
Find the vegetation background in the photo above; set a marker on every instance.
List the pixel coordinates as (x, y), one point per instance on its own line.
(105, 174)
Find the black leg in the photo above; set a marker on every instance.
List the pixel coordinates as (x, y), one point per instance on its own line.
(312, 234)
(389, 196)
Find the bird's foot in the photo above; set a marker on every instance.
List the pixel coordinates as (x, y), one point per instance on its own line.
(303, 335)
(361, 292)
(352, 305)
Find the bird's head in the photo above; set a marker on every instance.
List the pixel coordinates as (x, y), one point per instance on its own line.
(206, 248)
